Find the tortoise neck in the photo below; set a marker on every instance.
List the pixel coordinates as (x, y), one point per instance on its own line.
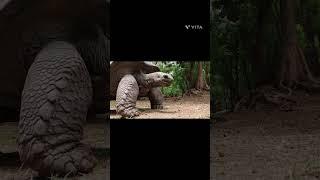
(145, 80)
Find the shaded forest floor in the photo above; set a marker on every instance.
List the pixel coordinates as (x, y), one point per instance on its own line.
(268, 145)
(186, 107)
(96, 134)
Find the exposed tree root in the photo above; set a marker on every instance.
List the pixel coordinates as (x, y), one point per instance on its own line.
(308, 86)
(281, 97)
(295, 74)
(309, 74)
(195, 92)
(295, 71)
(266, 96)
(281, 85)
(218, 116)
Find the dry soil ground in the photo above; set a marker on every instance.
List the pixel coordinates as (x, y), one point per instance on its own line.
(269, 145)
(97, 134)
(186, 107)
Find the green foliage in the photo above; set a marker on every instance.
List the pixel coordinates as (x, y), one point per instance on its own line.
(310, 11)
(301, 36)
(232, 37)
(179, 86)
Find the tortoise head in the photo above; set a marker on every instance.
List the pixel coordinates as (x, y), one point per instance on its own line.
(159, 79)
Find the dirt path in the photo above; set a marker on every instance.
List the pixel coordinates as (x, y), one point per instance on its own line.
(95, 134)
(188, 107)
(268, 145)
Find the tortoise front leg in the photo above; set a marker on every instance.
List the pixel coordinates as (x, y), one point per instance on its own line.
(54, 105)
(127, 94)
(156, 98)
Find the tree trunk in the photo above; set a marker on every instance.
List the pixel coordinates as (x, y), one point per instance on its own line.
(206, 76)
(294, 68)
(199, 83)
(258, 57)
(190, 75)
(208, 72)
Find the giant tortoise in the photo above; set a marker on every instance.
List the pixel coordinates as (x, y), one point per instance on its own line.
(53, 68)
(132, 79)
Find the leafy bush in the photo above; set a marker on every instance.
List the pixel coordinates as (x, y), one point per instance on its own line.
(233, 38)
(179, 86)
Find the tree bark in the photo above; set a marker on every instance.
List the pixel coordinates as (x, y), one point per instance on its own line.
(258, 56)
(199, 83)
(208, 72)
(294, 68)
(190, 75)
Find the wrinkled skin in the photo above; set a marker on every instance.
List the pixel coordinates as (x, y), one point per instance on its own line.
(140, 84)
(57, 66)
(55, 100)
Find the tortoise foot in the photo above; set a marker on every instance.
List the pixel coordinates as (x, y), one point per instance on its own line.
(129, 113)
(156, 106)
(80, 159)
